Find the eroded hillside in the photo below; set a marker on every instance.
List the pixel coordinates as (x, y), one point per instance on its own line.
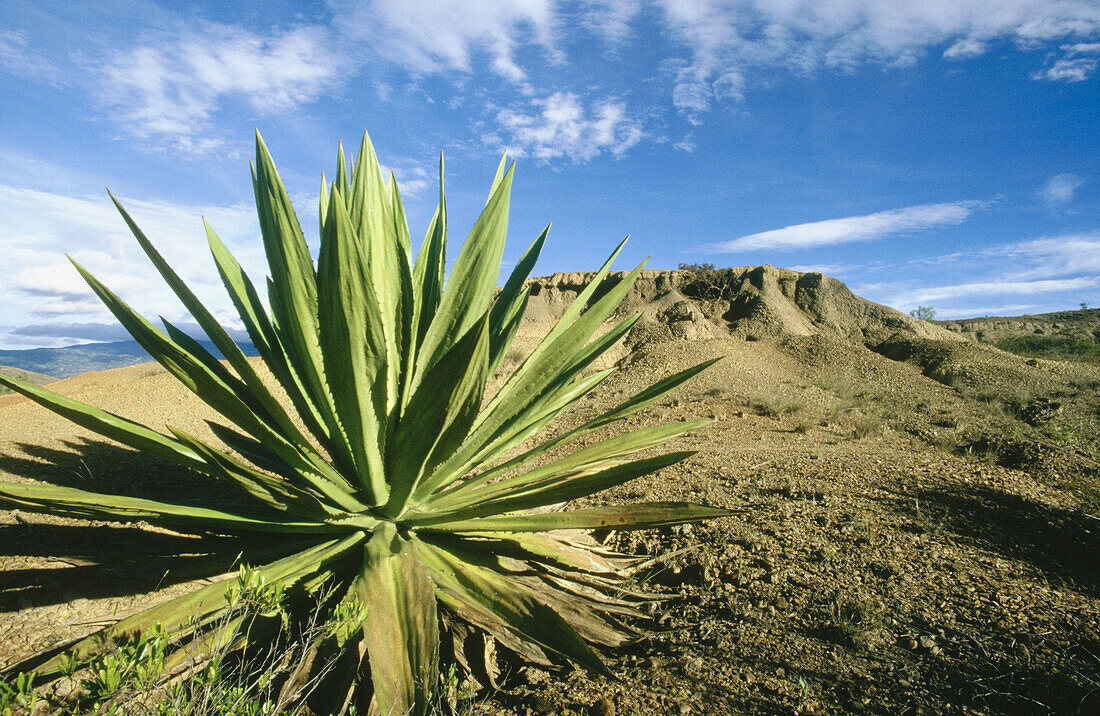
(916, 528)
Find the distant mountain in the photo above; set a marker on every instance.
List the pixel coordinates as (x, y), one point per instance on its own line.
(73, 360)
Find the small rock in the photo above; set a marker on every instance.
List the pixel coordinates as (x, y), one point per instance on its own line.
(685, 708)
(603, 707)
(927, 642)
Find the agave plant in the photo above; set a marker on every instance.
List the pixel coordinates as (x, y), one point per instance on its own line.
(420, 500)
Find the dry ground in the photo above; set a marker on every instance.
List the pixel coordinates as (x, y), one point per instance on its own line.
(906, 541)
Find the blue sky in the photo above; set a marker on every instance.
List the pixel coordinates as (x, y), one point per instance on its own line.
(940, 152)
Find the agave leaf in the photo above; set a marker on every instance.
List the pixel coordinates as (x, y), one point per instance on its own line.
(637, 516)
(502, 339)
(407, 310)
(642, 399)
(371, 214)
(214, 330)
(554, 399)
(550, 491)
(403, 633)
(541, 369)
(512, 300)
(469, 291)
(293, 286)
(592, 620)
(341, 182)
(561, 347)
(109, 425)
(583, 462)
(198, 352)
(438, 414)
(262, 333)
(431, 262)
(322, 205)
(275, 492)
(70, 502)
(543, 548)
(538, 416)
(354, 347)
(197, 377)
(189, 611)
(518, 608)
(499, 177)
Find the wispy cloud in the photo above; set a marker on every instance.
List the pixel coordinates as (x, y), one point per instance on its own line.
(40, 227)
(561, 126)
(428, 36)
(728, 40)
(18, 58)
(835, 270)
(1077, 63)
(853, 228)
(994, 288)
(1060, 189)
(168, 87)
(1007, 309)
(1053, 256)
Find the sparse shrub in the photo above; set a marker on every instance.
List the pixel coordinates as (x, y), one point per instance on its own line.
(405, 490)
(803, 424)
(867, 424)
(17, 695)
(853, 621)
(924, 313)
(1051, 346)
(775, 406)
(707, 283)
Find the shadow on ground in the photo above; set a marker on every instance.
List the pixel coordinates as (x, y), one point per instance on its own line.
(1063, 544)
(69, 559)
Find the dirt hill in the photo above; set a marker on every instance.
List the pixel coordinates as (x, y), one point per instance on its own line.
(27, 375)
(917, 529)
(1073, 334)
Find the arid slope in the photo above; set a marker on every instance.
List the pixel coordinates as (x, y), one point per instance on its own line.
(915, 533)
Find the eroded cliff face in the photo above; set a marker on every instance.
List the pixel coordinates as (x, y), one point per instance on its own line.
(748, 302)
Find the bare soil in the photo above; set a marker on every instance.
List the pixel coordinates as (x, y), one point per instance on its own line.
(916, 528)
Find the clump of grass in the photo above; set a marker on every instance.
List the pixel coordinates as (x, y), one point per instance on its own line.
(803, 424)
(867, 424)
(774, 406)
(853, 621)
(719, 392)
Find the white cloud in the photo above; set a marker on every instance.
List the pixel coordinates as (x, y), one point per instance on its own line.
(1072, 69)
(834, 270)
(1054, 256)
(610, 19)
(965, 48)
(687, 144)
(1077, 65)
(40, 227)
(727, 39)
(1061, 188)
(853, 228)
(1008, 309)
(169, 87)
(18, 58)
(925, 296)
(560, 126)
(444, 35)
